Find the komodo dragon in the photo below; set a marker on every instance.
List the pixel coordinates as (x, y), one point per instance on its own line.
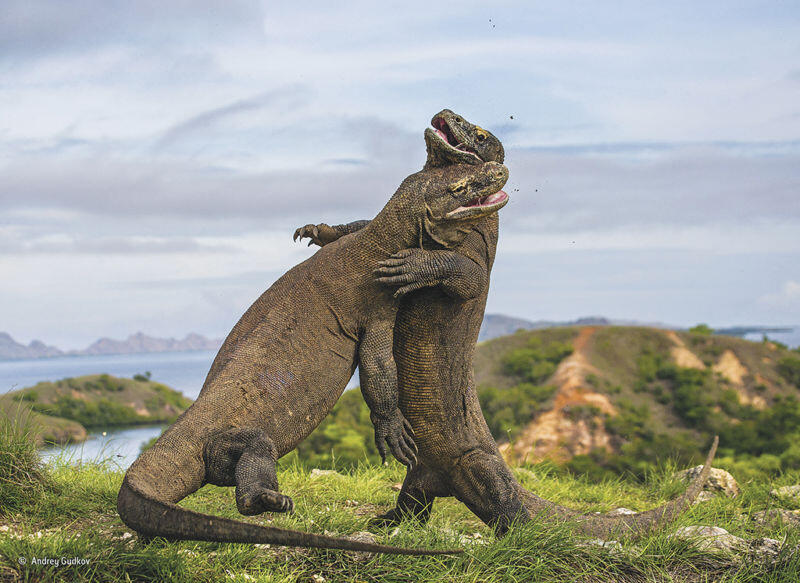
(435, 335)
(287, 361)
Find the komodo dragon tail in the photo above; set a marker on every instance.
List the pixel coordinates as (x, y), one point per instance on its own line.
(622, 524)
(151, 517)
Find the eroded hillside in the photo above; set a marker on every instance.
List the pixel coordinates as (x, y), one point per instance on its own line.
(618, 396)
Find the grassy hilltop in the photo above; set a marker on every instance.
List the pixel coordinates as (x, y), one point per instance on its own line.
(62, 411)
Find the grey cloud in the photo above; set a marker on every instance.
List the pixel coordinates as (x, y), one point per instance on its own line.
(289, 97)
(109, 245)
(113, 186)
(33, 28)
(684, 186)
(577, 190)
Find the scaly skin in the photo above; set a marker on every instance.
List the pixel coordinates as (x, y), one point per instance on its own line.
(287, 361)
(435, 335)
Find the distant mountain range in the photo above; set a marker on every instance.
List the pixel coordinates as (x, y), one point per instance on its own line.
(494, 326)
(134, 344)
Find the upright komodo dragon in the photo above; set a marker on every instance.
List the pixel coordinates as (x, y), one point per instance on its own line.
(287, 361)
(435, 337)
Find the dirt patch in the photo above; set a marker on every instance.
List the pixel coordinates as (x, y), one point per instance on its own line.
(681, 355)
(735, 372)
(559, 434)
(730, 368)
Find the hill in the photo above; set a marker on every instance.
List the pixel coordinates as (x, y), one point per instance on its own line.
(62, 411)
(137, 343)
(613, 398)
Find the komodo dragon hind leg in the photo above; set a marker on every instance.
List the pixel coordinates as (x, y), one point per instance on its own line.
(420, 487)
(485, 484)
(245, 458)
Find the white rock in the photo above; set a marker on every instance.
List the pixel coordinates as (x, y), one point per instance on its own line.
(791, 492)
(788, 517)
(318, 578)
(711, 538)
(718, 481)
(316, 473)
(621, 510)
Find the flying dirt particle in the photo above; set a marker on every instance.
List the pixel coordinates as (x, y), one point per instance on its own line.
(510, 117)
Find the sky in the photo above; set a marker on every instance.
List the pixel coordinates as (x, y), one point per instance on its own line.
(155, 158)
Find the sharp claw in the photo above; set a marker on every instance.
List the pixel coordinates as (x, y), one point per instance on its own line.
(311, 242)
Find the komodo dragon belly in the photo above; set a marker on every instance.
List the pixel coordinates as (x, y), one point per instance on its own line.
(434, 342)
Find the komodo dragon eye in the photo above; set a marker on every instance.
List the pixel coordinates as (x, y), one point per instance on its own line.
(481, 137)
(458, 188)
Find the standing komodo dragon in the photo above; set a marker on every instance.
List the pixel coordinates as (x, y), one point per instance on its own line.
(435, 337)
(287, 361)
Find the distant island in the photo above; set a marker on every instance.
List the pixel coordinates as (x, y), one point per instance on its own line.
(135, 344)
(494, 326)
(64, 411)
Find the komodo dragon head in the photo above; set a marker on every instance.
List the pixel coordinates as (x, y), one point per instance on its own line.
(453, 140)
(468, 194)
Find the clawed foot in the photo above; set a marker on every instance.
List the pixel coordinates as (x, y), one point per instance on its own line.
(320, 234)
(411, 269)
(264, 501)
(395, 516)
(395, 431)
(391, 518)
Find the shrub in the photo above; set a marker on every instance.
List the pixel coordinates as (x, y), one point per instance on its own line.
(22, 477)
(789, 369)
(535, 363)
(508, 410)
(701, 329)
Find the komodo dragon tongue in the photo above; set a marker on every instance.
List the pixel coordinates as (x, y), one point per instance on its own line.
(631, 524)
(162, 519)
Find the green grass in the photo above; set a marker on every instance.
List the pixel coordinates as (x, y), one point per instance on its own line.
(72, 515)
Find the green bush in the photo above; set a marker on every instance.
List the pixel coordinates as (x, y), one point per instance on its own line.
(701, 329)
(789, 369)
(508, 410)
(29, 396)
(536, 362)
(90, 414)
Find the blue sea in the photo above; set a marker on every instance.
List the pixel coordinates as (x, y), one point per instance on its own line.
(790, 339)
(183, 371)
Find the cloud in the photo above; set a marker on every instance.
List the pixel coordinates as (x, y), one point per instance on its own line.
(32, 28)
(14, 243)
(203, 121)
(788, 297)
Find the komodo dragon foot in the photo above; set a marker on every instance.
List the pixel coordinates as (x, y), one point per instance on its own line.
(320, 234)
(245, 458)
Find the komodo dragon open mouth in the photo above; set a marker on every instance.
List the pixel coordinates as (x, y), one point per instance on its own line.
(483, 205)
(445, 133)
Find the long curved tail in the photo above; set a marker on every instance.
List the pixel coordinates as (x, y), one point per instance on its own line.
(623, 524)
(151, 517)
